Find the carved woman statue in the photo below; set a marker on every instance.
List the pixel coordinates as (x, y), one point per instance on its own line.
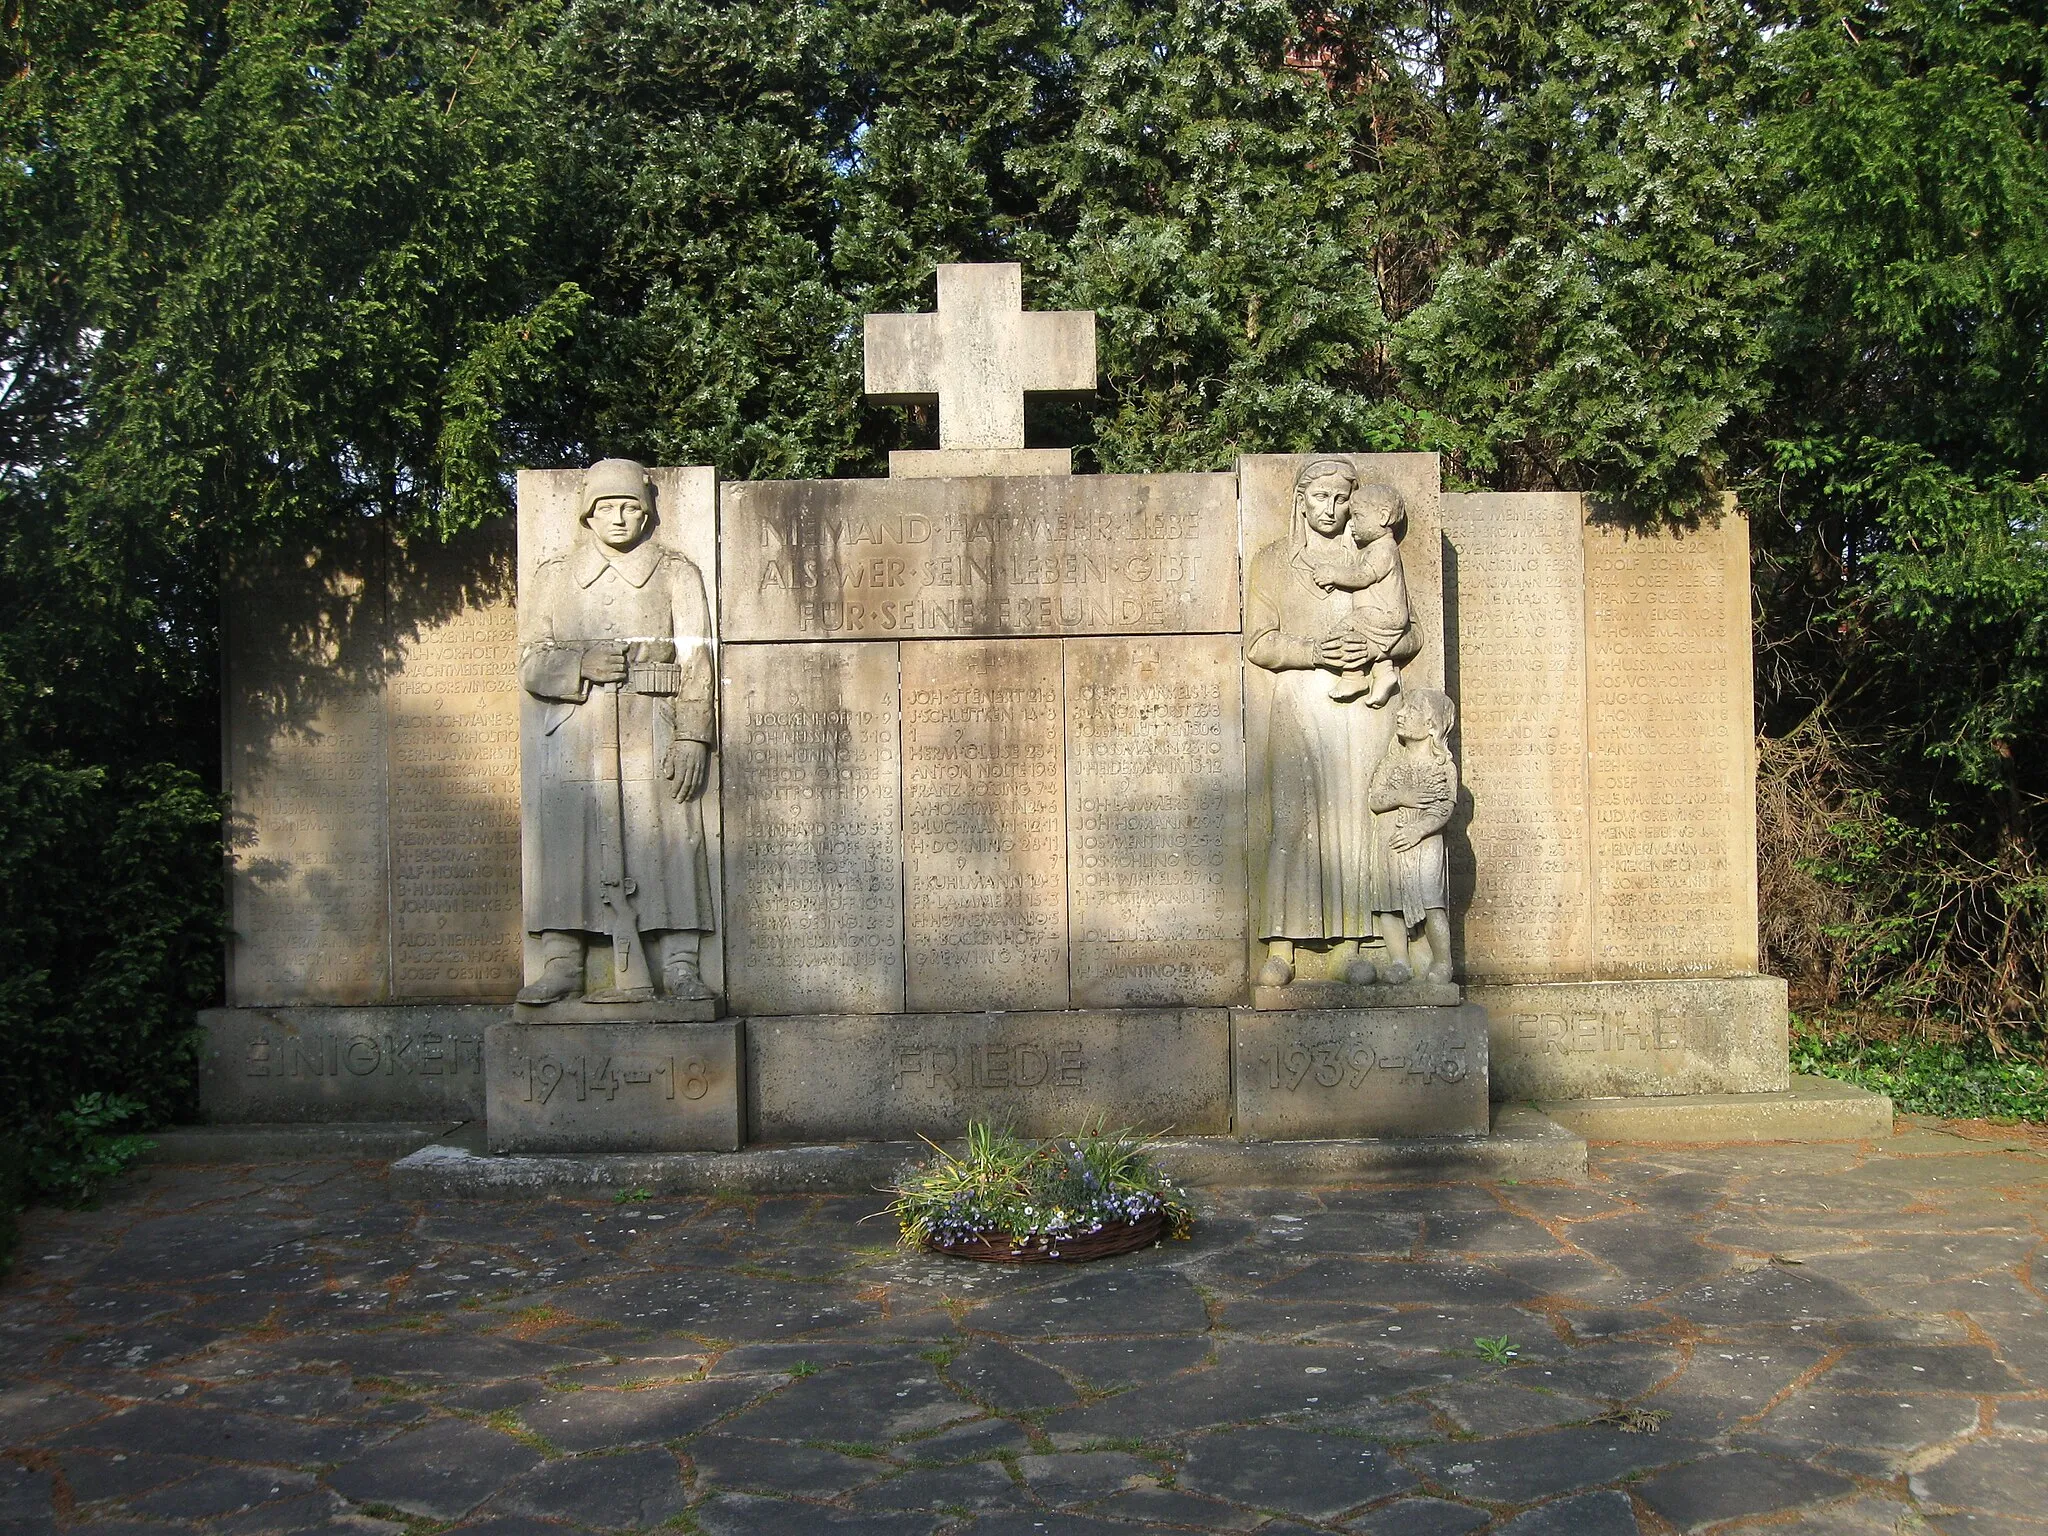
(1322, 862)
(617, 648)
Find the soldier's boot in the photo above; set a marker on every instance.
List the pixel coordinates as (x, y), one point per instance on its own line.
(561, 974)
(681, 974)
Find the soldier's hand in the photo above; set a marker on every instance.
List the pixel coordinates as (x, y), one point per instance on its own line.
(686, 764)
(605, 661)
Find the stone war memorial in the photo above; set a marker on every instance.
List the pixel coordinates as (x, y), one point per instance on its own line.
(1304, 803)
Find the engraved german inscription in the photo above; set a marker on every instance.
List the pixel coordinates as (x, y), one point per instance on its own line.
(886, 559)
(1673, 754)
(813, 839)
(985, 849)
(1518, 615)
(1155, 821)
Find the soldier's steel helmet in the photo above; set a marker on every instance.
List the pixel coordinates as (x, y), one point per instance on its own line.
(615, 477)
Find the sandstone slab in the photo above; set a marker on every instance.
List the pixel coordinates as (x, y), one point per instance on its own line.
(880, 1077)
(613, 1088)
(1395, 1072)
(1034, 555)
(278, 1065)
(814, 855)
(1155, 821)
(1580, 1040)
(984, 842)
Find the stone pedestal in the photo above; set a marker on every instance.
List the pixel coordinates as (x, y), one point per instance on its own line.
(1310, 1075)
(613, 1087)
(295, 1066)
(1342, 994)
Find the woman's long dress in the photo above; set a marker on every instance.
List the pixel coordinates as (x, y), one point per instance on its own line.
(1321, 752)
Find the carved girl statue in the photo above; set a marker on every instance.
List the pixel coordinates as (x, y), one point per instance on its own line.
(1322, 863)
(1412, 794)
(617, 650)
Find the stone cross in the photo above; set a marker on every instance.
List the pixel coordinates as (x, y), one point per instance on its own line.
(979, 356)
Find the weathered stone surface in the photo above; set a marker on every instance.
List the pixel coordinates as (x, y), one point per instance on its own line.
(1727, 1487)
(275, 1065)
(613, 1088)
(1813, 1109)
(979, 355)
(305, 652)
(1670, 727)
(371, 760)
(1317, 1476)
(1155, 821)
(1045, 1074)
(1514, 616)
(909, 559)
(813, 871)
(984, 848)
(1345, 994)
(971, 463)
(1576, 1040)
(1402, 1072)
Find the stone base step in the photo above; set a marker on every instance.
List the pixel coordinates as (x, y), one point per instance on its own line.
(293, 1143)
(1814, 1109)
(1525, 1146)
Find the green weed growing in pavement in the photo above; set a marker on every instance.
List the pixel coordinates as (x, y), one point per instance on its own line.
(632, 1196)
(1499, 1349)
(802, 1369)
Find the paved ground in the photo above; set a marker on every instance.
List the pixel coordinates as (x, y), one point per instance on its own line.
(1837, 1340)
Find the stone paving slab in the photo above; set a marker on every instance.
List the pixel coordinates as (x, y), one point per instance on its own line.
(1840, 1340)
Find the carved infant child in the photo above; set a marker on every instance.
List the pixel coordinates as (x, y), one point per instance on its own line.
(1412, 794)
(1371, 572)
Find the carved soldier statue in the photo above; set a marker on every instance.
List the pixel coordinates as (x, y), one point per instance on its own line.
(617, 651)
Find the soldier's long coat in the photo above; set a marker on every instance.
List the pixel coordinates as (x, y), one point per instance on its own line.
(646, 594)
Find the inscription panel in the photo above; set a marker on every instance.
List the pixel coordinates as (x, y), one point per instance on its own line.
(304, 637)
(985, 848)
(285, 1065)
(1515, 610)
(1039, 555)
(814, 848)
(1605, 1039)
(613, 1087)
(1670, 724)
(1155, 821)
(1042, 1074)
(452, 729)
(1309, 1074)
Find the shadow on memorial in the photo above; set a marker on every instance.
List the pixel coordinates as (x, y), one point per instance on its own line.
(313, 635)
(1464, 865)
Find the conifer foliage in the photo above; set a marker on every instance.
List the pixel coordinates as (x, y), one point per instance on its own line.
(273, 267)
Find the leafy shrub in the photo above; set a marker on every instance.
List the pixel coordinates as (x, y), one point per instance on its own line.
(1043, 1191)
(81, 1148)
(1957, 1080)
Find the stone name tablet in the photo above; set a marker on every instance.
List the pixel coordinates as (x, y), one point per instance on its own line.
(984, 839)
(814, 852)
(1155, 821)
(371, 753)
(1052, 555)
(1671, 728)
(1515, 610)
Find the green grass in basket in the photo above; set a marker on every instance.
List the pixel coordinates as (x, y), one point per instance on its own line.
(1044, 1191)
